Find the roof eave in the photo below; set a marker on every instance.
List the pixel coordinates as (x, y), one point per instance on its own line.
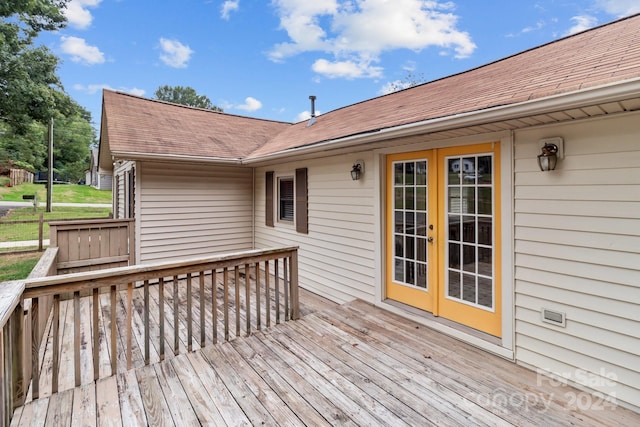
(581, 98)
(128, 155)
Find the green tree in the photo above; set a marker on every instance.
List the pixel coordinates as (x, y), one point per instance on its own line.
(30, 88)
(73, 136)
(185, 95)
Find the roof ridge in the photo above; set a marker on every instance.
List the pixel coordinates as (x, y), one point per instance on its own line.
(173, 104)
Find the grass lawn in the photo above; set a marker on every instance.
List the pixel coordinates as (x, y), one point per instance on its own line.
(18, 232)
(62, 193)
(17, 266)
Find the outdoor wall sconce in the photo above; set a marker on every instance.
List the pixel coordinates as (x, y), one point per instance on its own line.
(357, 170)
(551, 151)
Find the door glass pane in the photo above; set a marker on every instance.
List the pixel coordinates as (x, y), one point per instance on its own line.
(398, 173)
(421, 223)
(453, 171)
(484, 201)
(469, 229)
(410, 223)
(453, 285)
(469, 258)
(399, 270)
(421, 250)
(455, 205)
(485, 292)
(398, 222)
(469, 288)
(399, 197)
(454, 256)
(409, 198)
(469, 269)
(485, 170)
(421, 198)
(409, 173)
(485, 231)
(410, 204)
(421, 173)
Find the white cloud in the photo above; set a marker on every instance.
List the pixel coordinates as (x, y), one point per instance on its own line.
(228, 7)
(581, 23)
(619, 7)
(250, 104)
(77, 12)
(346, 69)
(92, 89)
(175, 54)
(356, 32)
(80, 51)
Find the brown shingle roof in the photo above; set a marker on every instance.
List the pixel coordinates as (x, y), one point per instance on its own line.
(139, 125)
(610, 53)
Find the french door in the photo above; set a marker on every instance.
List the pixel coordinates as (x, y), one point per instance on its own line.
(443, 233)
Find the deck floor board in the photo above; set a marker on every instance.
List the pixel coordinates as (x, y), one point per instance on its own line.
(350, 364)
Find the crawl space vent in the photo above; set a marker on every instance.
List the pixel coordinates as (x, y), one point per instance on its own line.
(554, 317)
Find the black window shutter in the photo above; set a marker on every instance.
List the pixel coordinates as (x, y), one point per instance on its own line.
(268, 214)
(302, 206)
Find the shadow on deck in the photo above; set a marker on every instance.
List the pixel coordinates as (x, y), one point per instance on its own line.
(352, 364)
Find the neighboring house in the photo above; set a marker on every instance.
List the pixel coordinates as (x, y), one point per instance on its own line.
(539, 267)
(96, 176)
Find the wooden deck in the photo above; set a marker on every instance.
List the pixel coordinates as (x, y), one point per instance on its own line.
(352, 364)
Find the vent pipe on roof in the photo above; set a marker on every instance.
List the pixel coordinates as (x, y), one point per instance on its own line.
(312, 120)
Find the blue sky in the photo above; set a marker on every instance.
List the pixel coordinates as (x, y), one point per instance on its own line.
(264, 58)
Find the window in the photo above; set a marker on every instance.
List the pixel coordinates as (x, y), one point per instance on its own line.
(292, 200)
(285, 199)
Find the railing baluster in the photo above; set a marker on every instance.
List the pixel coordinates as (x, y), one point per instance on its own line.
(176, 327)
(226, 303)
(56, 343)
(189, 315)
(114, 332)
(258, 314)
(35, 361)
(277, 276)
(76, 338)
(237, 298)
(267, 278)
(146, 322)
(202, 308)
(96, 335)
(129, 323)
(214, 304)
(286, 288)
(161, 314)
(247, 293)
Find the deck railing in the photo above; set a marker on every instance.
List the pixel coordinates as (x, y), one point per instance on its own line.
(232, 285)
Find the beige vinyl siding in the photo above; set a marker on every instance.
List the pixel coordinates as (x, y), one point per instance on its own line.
(337, 256)
(577, 251)
(192, 210)
(120, 176)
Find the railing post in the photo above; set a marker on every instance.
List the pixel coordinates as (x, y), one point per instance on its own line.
(293, 281)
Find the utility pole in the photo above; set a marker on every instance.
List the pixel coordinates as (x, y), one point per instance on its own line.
(50, 171)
